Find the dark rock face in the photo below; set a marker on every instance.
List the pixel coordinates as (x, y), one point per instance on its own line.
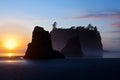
(41, 46)
(73, 48)
(89, 38)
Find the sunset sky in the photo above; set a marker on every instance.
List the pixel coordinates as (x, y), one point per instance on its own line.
(18, 18)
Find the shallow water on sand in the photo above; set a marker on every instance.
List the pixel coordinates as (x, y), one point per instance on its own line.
(59, 69)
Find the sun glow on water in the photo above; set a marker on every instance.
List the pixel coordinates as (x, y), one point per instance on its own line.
(12, 54)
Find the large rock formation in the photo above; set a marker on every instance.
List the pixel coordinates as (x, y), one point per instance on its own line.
(89, 38)
(41, 46)
(73, 48)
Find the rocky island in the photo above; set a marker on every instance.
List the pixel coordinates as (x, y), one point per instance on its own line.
(89, 40)
(77, 41)
(41, 46)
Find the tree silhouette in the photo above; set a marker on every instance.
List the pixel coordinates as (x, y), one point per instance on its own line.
(54, 25)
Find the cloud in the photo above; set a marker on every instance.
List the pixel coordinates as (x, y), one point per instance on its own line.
(116, 24)
(115, 31)
(118, 38)
(105, 15)
(112, 32)
(40, 20)
(23, 21)
(98, 15)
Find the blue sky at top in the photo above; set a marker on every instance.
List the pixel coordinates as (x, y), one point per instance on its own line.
(27, 13)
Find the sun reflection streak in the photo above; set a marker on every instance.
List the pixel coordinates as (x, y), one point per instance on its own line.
(10, 61)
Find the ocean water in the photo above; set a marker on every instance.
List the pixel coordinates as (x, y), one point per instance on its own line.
(111, 55)
(18, 68)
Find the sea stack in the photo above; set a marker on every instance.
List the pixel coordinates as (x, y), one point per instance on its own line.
(88, 36)
(41, 46)
(73, 48)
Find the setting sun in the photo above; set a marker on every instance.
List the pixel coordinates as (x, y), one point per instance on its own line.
(10, 44)
(10, 54)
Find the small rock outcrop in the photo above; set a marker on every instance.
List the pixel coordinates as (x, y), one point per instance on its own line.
(41, 46)
(73, 48)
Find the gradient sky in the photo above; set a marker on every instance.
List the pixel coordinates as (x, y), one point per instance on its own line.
(18, 18)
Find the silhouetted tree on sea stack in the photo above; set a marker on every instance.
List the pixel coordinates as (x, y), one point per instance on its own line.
(54, 25)
(41, 46)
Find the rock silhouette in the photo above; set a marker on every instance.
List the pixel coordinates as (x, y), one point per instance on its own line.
(89, 38)
(41, 46)
(73, 48)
